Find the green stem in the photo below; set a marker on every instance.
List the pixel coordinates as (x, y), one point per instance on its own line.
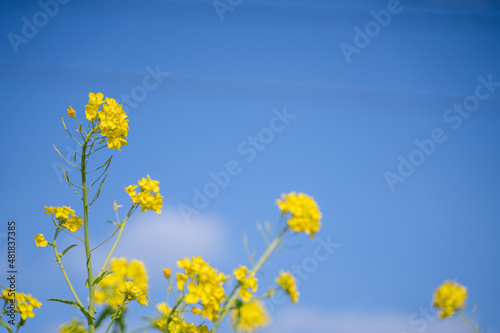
(58, 259)
(467, 322)
(122, 226)
(6, 326)
(113, 317)
(234, 295)
(91, 308)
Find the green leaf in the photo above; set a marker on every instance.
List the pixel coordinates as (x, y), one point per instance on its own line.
(66, 250)
(75, 304)
(101, 276)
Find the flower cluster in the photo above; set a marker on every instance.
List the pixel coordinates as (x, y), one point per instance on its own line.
(246, 282)
(133, 293)
(126, 278)
(206, 286)
(72, 327)
(62, 214)
(449, 297)
(176, 323)
(250, 316)
(287, 282)
(146, 198)
(304, 210)
(112, 119)
(24, 304)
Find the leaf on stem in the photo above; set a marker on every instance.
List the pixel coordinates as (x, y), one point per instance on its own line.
(75, 304)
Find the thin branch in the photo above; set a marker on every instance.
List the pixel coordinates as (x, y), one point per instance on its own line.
(66, 159)
(71, 135)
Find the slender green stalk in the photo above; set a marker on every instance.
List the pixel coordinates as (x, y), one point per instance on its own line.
(234, 295)
(91, 308)
(467, 322)
(5, 324)
(122, 226)
(58, 259)
(113, 317)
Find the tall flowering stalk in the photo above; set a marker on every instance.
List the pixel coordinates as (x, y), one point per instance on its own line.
(107, 126)
(198, 288)
(450, 299)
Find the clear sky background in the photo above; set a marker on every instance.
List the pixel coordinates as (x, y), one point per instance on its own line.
(364, 101)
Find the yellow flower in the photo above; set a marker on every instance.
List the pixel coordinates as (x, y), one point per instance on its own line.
(287, 282)
(132, 193)
(181, 280)
(149, 185)
(305, 214)
(95, 101)
(245, 282)
(167, 273)
(251, 316)
(108, 290)
(133, 293)
(50, 210)
(449, 297)
(73, 327)
(206, 286)
(71, 112)
(40, 241)
(113, 124)
(146, 198)
(25, 303)
(73, 224)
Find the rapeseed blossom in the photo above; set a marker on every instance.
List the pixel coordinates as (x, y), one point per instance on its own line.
(305, 214)
(62, 214)
(109, 289)
(176, 323)
(113, 124)
(71, 112)
(40, 241)
(95, 101)
(250, 316)
(146, 198)
(287, 282)
(449, 297)
(133, 293)
(24, 304)
(245, 282)
(112, 119)
(73, 327)
(206, 286)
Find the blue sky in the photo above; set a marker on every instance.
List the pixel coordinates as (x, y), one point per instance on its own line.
(397, 140)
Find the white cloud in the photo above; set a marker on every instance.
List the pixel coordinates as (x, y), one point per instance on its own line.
(302, 319)
(160, 240)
